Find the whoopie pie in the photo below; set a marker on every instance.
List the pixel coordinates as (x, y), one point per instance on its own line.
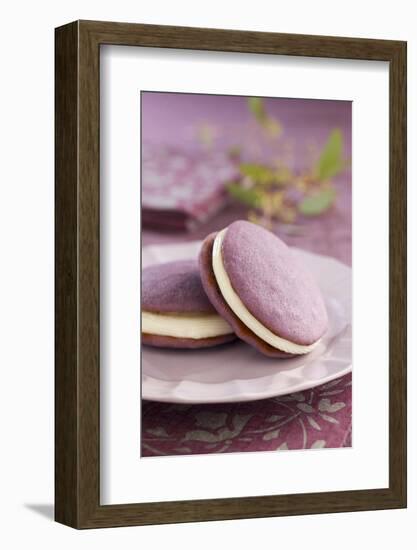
(259, 286)
(176, 312)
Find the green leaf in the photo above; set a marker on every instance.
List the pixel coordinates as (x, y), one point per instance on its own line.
(331, 161)
(250, 197)
(271, 125)
(283, 175)
(257, 108)
(257, 172)
(314, 205)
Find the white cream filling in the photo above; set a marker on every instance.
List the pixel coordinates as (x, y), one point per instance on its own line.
(240, 310)
(184, 326)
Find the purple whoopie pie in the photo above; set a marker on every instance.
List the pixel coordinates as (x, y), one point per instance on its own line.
(262, 290)
(176, 312)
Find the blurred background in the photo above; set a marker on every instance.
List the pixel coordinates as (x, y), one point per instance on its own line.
(283, 163)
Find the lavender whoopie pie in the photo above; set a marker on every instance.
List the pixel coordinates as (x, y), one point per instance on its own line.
(260, 288)
(176, 312)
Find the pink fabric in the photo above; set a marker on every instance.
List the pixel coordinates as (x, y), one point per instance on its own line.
(191, 185)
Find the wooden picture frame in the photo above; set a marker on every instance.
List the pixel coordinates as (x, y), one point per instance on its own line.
(77, 374)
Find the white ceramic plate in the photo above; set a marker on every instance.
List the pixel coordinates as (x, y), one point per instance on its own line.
(237, 372)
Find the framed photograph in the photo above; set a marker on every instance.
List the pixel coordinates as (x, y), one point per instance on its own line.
(230, 274)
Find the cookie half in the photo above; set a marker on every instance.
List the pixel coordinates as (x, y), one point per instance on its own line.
(176, 312)
(261, 289)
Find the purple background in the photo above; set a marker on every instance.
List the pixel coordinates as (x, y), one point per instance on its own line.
(169, 118)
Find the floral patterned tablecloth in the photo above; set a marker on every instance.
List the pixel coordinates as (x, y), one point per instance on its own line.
(306, 420)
